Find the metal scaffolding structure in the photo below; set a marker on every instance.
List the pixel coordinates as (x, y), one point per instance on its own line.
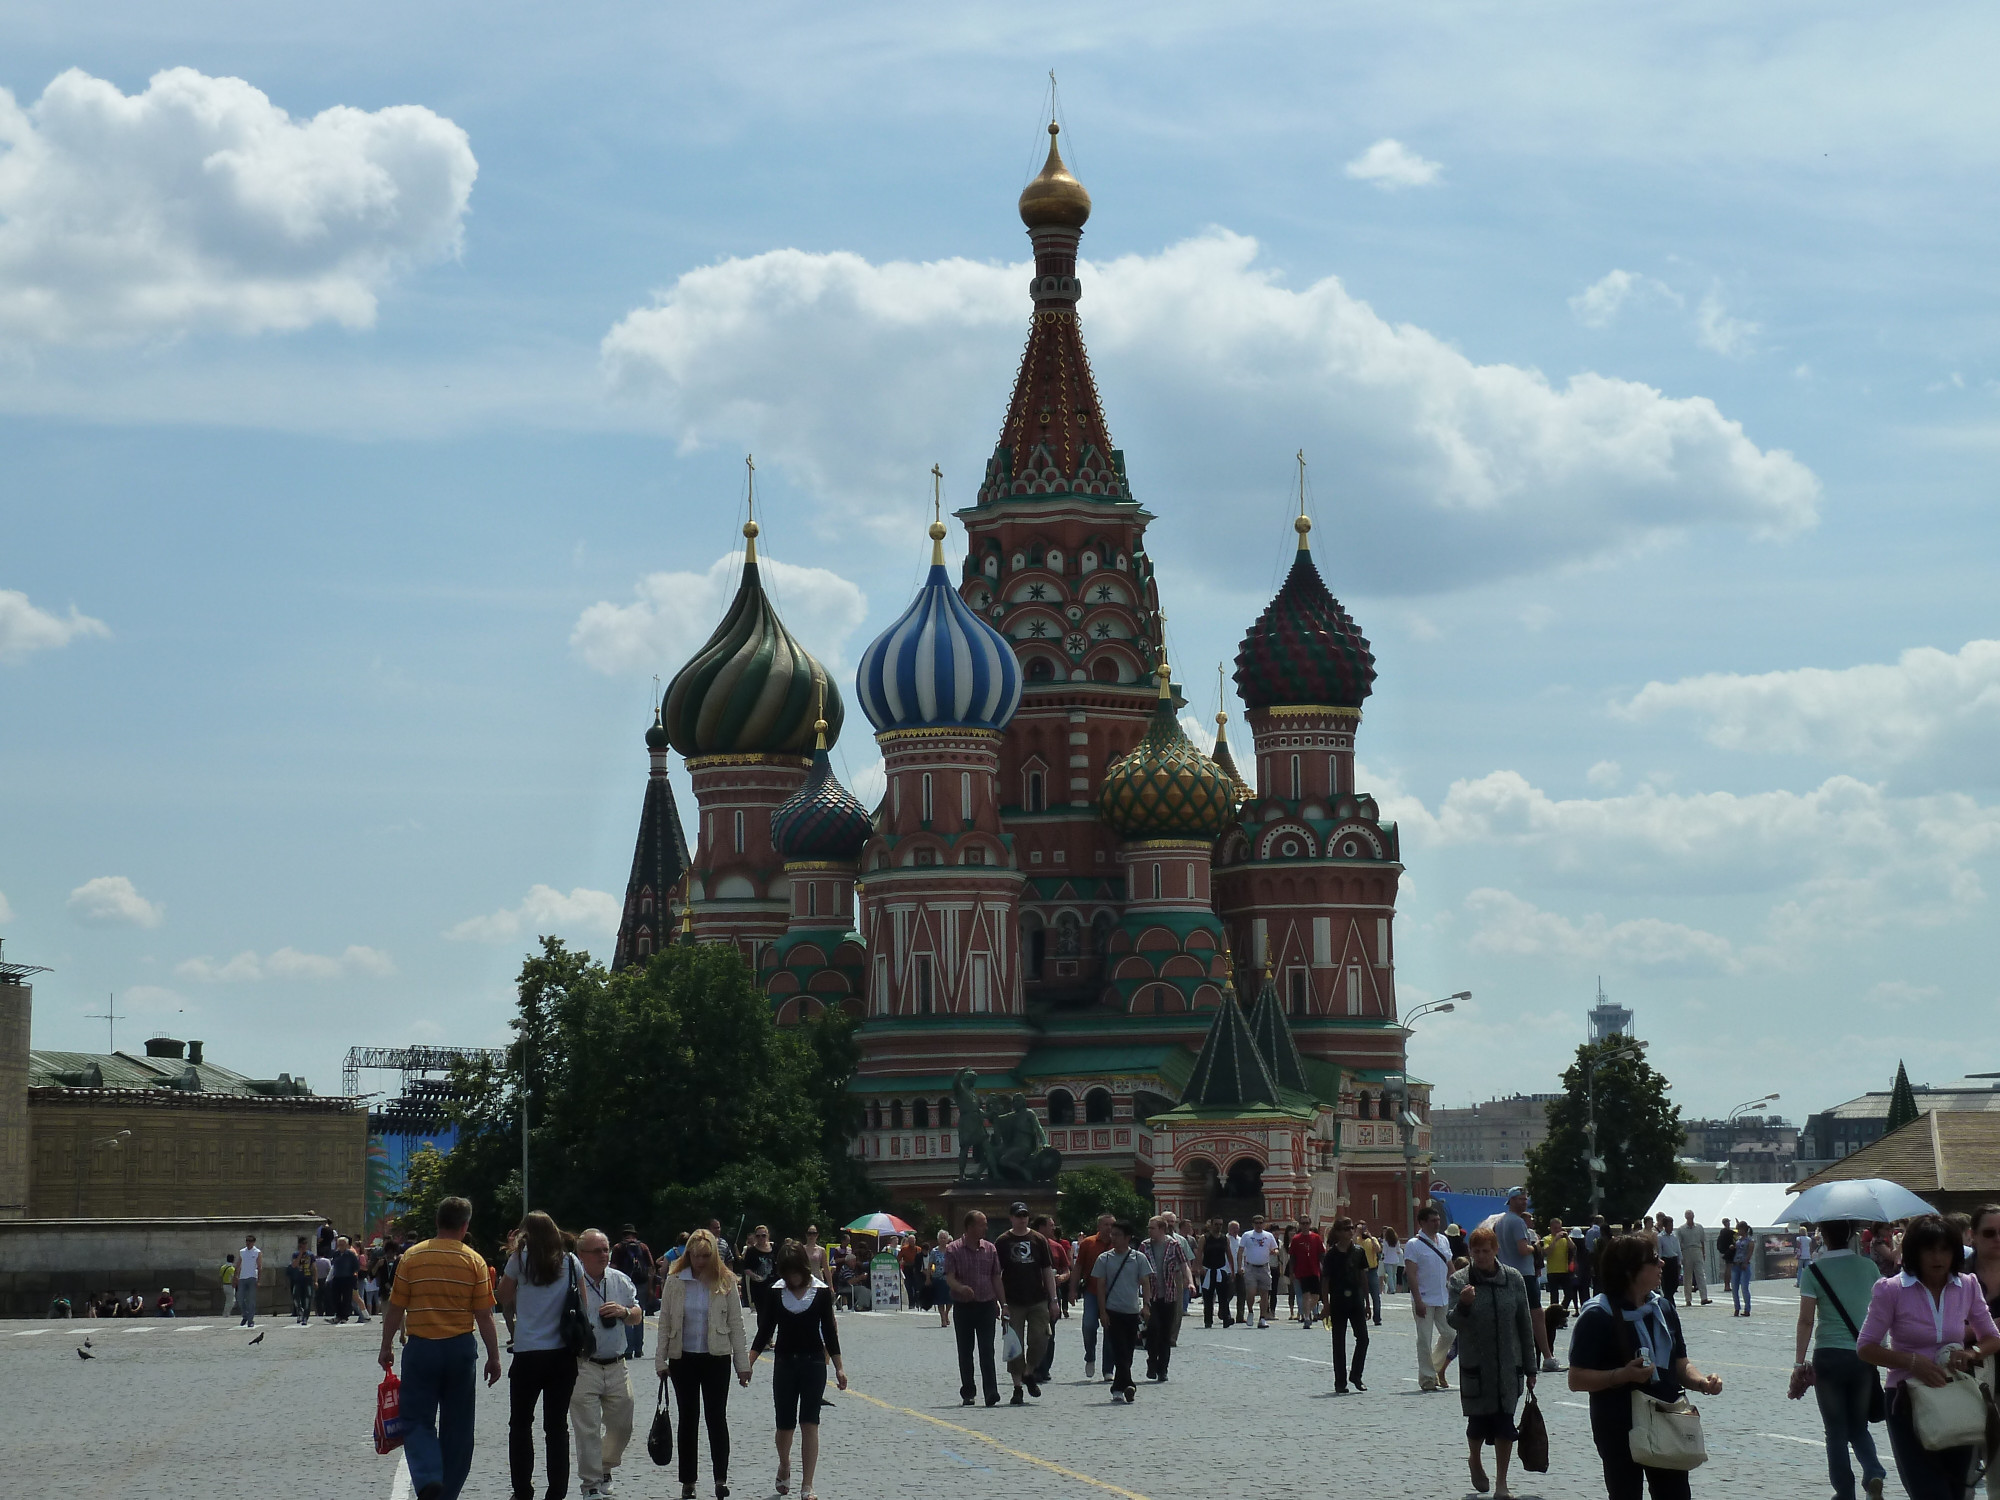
(412, 1062)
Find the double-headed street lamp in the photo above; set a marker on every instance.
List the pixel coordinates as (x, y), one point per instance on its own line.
(1406, 1117)
(1749, 1104)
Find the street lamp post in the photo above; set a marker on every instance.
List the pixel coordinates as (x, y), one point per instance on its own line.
(1406, 1117)
(1594, 1161)
(1745, 1107)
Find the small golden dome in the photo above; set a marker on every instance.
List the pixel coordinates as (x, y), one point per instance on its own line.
(1054, 200)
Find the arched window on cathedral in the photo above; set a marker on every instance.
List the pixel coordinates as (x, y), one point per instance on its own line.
(1298, 780)
(920, 1114)
(874, 1116)
(944, 1112)
(1041, 670)
(1386, 1108)
(1062, 1107)
(929, 810)
(1156, 882)
(1097, 1107)
(1035, 783)
(965, 795)
(1363, 1105)
(895, 1114)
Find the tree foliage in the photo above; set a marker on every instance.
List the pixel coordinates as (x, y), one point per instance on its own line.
(1093, 1191)
(1639, 1137)
(662, 1095)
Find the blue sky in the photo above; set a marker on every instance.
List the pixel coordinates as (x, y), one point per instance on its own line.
(374, 389)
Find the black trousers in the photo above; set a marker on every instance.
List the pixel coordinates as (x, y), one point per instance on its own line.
(976, 1321)
(1121, 1337)
(1927, 1474)
(701, 1389)
(1214, 1285)
(1339, 1318)
(302, 1300)
(548, 1376)
(1160, 1338)
(1626, 1480)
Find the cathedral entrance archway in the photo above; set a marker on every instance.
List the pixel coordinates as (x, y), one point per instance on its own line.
(1240, 1194)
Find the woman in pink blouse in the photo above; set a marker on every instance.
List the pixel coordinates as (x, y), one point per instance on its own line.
(1916, 1329)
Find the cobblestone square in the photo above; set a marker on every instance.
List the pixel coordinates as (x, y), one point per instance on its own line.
(174, 1409)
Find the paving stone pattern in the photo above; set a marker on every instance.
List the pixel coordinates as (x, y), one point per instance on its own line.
(185, 1408)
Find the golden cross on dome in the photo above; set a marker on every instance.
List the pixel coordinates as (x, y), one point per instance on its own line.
(750, 526)
(1221, 698)
(1304, 523)
(937, 516)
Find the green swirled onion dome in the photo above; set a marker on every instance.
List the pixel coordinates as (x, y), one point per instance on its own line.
(1167, 789)
(822, 819)
(753, 689)
(1304, 648)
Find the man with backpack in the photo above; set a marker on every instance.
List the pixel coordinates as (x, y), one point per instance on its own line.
(632, 1256)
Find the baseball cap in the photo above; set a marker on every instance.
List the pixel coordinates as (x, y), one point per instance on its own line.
(1517, 1192)
(1018, 1208)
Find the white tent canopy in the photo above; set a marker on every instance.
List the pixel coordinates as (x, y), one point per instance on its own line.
(1763, 1204)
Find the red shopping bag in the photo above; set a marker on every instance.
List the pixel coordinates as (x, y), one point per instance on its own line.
(389, 1414)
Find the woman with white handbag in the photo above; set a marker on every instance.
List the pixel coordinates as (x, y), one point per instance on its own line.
(1915, 1329)
(1627, 1353)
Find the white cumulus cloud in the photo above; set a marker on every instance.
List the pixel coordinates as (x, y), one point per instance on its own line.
(1599, 304)
(1844, 859)
(289, 963)
(1513, 928)
(545, 911)
(201, 204)
(113, 901)
(675, 613)
(25, 629)
(1927, 704)
(855, 376)
(1719, 333)
(1389, 164)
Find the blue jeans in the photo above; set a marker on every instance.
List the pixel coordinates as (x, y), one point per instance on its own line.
(1843, 1385)
(440, 1380)
(1375, 1293)
(246, 1303)
(635, 1340)
(1739, 1287)
(1090, 1321)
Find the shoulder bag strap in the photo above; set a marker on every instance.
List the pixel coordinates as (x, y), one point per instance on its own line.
(1818, 1275)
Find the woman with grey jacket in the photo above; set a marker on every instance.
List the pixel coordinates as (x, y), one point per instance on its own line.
(1496, 1354)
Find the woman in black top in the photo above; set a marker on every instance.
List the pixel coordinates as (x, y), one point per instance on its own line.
(798, 1314)
(1214, 1274)
(1628, 1338)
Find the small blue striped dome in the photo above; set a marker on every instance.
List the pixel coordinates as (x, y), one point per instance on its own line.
(939, 665)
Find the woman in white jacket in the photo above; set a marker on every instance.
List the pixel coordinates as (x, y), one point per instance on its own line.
(700, 1340)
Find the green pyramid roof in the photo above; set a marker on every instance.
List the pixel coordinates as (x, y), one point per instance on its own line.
(1230, 1071)
(1902, 1102)
(1273, 1035)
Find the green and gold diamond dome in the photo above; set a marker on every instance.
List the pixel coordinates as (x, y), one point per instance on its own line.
(1167, 789)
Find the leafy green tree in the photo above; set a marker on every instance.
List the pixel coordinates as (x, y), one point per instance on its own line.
(1639, 1137)
(662, 1095)
(1093, 1191)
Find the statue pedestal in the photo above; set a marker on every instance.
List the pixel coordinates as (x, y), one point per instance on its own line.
(994, 1199)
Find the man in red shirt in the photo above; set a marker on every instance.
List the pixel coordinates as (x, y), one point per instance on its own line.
(1087, 1250)
(1306, 1249)
(1061, 1257)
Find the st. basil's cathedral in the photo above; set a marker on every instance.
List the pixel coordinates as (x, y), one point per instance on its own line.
(1059, 890)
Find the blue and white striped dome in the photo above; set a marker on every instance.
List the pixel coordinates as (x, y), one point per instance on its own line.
(939, 665)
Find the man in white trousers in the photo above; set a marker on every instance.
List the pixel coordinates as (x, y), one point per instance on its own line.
(600, 1406)
(1428, 1265)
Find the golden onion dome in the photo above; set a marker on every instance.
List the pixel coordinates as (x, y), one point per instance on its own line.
(1055, 199)
(1166, 788)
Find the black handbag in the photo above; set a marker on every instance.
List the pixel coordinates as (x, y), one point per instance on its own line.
(1532, 1438)
(577, 1335)
(660, 1437)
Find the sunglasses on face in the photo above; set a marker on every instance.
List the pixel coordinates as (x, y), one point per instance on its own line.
(1989, 1234)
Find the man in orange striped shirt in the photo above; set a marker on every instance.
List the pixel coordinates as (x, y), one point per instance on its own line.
(442, 1292)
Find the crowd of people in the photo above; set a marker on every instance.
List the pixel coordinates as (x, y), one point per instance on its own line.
(1916, 1300)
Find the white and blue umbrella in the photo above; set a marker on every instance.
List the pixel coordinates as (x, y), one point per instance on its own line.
(1867, 1200)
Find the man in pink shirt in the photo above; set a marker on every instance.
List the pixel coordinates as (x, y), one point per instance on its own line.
(972, 1271)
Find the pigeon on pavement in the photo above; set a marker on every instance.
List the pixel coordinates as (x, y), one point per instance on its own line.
(85, 1354)
(258, 1340)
